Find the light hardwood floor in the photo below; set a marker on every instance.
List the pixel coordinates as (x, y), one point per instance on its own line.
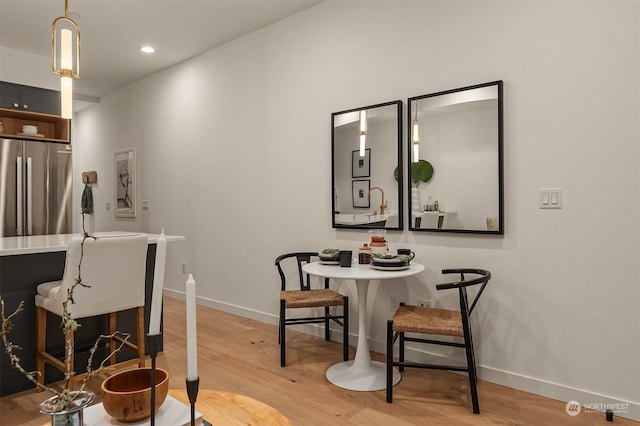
(240, 355)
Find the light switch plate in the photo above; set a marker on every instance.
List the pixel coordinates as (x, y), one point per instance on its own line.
(550, 198)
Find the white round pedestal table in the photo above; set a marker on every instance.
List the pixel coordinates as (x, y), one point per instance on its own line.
(361, 374)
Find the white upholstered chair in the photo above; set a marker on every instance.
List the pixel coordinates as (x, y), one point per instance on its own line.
(113, 271)
(392, 221)
(429, 220)
(450, 219)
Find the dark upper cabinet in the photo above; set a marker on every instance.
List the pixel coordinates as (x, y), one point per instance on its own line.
(28, 98)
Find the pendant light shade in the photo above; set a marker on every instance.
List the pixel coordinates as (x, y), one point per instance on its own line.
(415, 137)
(363, 131)
(65, 57)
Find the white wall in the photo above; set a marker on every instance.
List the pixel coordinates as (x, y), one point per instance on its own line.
(234, 153)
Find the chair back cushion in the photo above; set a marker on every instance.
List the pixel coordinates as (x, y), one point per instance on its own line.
(450, 219)
(429, 220)
(113, 269)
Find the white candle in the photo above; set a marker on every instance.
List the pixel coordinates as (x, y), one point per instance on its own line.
(158, 284)
(192, 349)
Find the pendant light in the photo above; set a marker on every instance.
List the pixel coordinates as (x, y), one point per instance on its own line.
(415, 137)
(363, 131)
(65, 57)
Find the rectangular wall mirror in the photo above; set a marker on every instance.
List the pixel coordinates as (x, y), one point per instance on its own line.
(366, 178)
(456, 160)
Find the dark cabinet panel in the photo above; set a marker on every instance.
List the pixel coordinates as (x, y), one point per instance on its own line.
(9, 95)
(28, 98)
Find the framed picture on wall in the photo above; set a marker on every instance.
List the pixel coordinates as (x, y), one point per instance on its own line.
(361, 166)
(125, 183)
(360, 191)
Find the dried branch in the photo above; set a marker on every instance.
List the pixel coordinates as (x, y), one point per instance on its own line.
(123, 337)
(9, 346)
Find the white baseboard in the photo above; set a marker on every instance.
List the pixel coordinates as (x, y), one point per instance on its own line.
(225, 307)
(587, 399)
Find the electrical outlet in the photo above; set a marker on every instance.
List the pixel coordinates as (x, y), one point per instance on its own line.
(395, 303)
(425, 303)
(184, 267)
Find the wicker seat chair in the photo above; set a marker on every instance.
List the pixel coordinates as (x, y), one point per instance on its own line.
(306, 297)
(442, 322)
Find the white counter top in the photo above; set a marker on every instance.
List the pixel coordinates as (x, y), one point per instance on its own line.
(50, 243)
(362, 218)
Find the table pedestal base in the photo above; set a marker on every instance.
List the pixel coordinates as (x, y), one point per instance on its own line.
(372, 378)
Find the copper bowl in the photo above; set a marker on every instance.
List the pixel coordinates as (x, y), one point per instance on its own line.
(126, 396)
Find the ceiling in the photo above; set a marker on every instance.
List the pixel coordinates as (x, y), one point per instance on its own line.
(112, 32)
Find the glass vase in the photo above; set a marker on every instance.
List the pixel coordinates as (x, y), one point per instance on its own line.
(71, 416)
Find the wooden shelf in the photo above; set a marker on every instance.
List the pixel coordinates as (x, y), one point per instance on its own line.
(53, 128)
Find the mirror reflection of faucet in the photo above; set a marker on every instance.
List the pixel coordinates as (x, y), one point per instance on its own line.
(383, 204)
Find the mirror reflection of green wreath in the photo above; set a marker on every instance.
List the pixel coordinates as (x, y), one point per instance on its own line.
(421, 171)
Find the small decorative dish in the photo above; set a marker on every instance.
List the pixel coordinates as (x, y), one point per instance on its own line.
(390, 260)
(391, 268)
(31, 134)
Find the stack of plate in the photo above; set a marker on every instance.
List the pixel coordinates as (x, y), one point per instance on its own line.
(328, 259)
(390, 262)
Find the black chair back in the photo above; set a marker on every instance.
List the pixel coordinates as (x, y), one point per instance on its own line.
(302, 258)
(462, 285)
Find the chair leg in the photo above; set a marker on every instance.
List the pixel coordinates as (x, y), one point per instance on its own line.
(140, 341)
(471, 366)
(282, 334)
(327, 326)
(473, 357)
(112, 329)
(390, 361)
(345, 329)
(41, 342)
(401, 350)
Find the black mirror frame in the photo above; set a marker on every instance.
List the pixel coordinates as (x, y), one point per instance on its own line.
(400, 173)
(500, 230)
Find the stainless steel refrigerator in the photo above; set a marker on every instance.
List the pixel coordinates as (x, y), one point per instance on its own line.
(36, 185)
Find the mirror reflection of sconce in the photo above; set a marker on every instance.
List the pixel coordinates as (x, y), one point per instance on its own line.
(363, 131)
(415, 136)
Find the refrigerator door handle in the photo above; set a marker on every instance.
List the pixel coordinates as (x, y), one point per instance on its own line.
(19, 185)
(29, 197)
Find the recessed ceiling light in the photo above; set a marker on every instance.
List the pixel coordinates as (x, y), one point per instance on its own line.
(147, 49)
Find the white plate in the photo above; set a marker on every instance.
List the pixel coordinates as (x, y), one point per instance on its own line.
(394, 259)
(329, 262)
(391, 268)
(31, 134)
